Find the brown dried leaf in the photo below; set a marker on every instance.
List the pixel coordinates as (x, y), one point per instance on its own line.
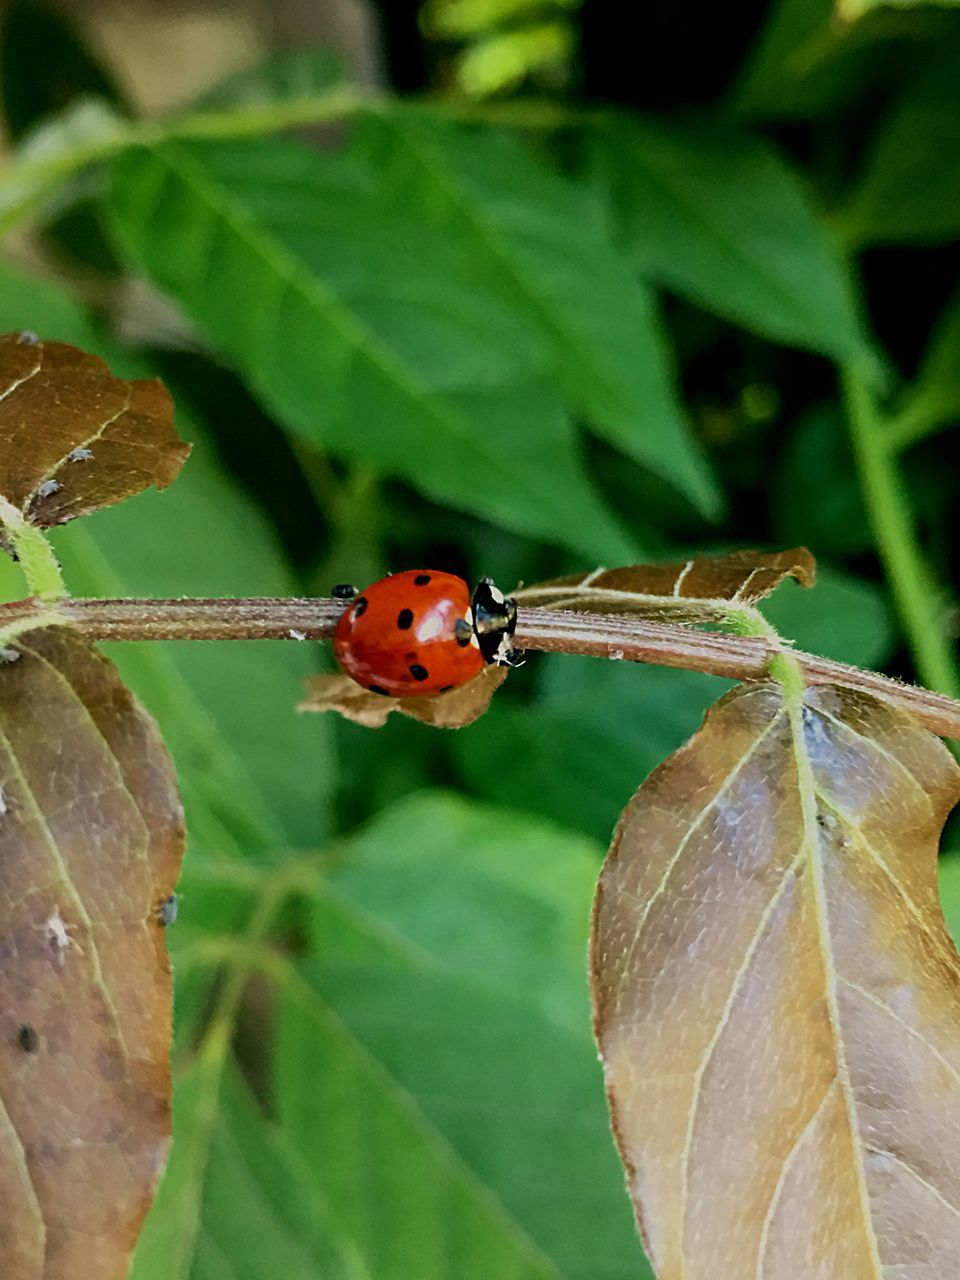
(450, 710)
(698, 590)
(73, 438)
(91, 837)
(776, 996)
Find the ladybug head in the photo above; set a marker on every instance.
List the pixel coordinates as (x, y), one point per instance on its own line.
(494, 622)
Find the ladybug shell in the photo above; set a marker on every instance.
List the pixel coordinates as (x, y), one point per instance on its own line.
(410, 635)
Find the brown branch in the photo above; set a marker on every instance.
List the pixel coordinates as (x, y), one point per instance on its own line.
(593, 635)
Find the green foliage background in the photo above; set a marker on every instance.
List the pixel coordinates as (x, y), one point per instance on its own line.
(570, 298)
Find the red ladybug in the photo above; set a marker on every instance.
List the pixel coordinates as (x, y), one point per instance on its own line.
(419, 633)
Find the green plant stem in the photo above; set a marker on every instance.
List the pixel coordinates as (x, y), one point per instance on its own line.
(911, 583)
(34, 553)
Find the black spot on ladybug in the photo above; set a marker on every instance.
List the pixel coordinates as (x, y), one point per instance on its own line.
(405, 619)
(28, 1039)
(378, 688)
(344, 591)
(421, 579)
(360, 606)
(446, 688)
(418, 672)
(463, 632)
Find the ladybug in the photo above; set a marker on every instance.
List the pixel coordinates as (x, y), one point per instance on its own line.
(420, 633)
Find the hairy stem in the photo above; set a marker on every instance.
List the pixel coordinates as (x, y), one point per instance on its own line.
(34, 553)
(911, 583)
(740, 657)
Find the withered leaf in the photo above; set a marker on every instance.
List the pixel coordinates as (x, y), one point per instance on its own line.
(73, 438)
(450, 710)
(698, 590)
(776, 996)
(91, 836)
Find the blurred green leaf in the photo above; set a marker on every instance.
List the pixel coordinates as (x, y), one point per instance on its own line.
(842, 617)
(909, 192)
(290, 76)
(810, 61)
(851, 10)
(502, 61)
(829, 518)
(234, 1202)
(719, 218)
(347, 315)
(594, 731)
(456, 1125)
(453, 19)
(226, 710)
(948, 871)
(933, 401)
(541, 244)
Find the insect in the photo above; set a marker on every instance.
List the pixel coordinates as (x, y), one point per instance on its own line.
(420, 633)
(168, 910)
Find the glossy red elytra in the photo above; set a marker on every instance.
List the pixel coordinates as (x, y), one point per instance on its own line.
(419, 633)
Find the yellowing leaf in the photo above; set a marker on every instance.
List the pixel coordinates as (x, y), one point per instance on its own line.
(450, 710)
(91, 837)
(698, 590)
(776, 996)
(73, 438)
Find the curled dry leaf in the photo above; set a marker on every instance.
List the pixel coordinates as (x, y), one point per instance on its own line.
(698, 590)
(73, 438)
(450, 710)
(91, 837)
(776, 996)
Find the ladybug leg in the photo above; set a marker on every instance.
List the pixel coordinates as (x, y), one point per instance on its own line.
(463, 632)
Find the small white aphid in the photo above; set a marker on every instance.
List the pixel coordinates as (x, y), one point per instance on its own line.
(615, 655)
(59, 936)
(7, 654)
(168, 910)
(28, 338)
(79, 455)
(48, 487)
(296, 635)
(4, 807)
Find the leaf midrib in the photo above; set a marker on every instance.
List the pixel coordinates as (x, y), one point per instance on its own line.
(329, 308)
(794, 704)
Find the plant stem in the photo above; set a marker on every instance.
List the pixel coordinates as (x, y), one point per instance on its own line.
(741, 657)
(34, 553)
(911, 583)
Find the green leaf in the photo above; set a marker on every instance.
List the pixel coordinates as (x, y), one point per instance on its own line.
(362, 329)
(291, 76)
(830, 518)
(457, 1125)
(909, 192)
(719, 218)
(843, 617)
(623, 718)
(948, 874)
(852, 10)
(226, 710)
(933, 402)
(234, 1203)
(541, 244)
